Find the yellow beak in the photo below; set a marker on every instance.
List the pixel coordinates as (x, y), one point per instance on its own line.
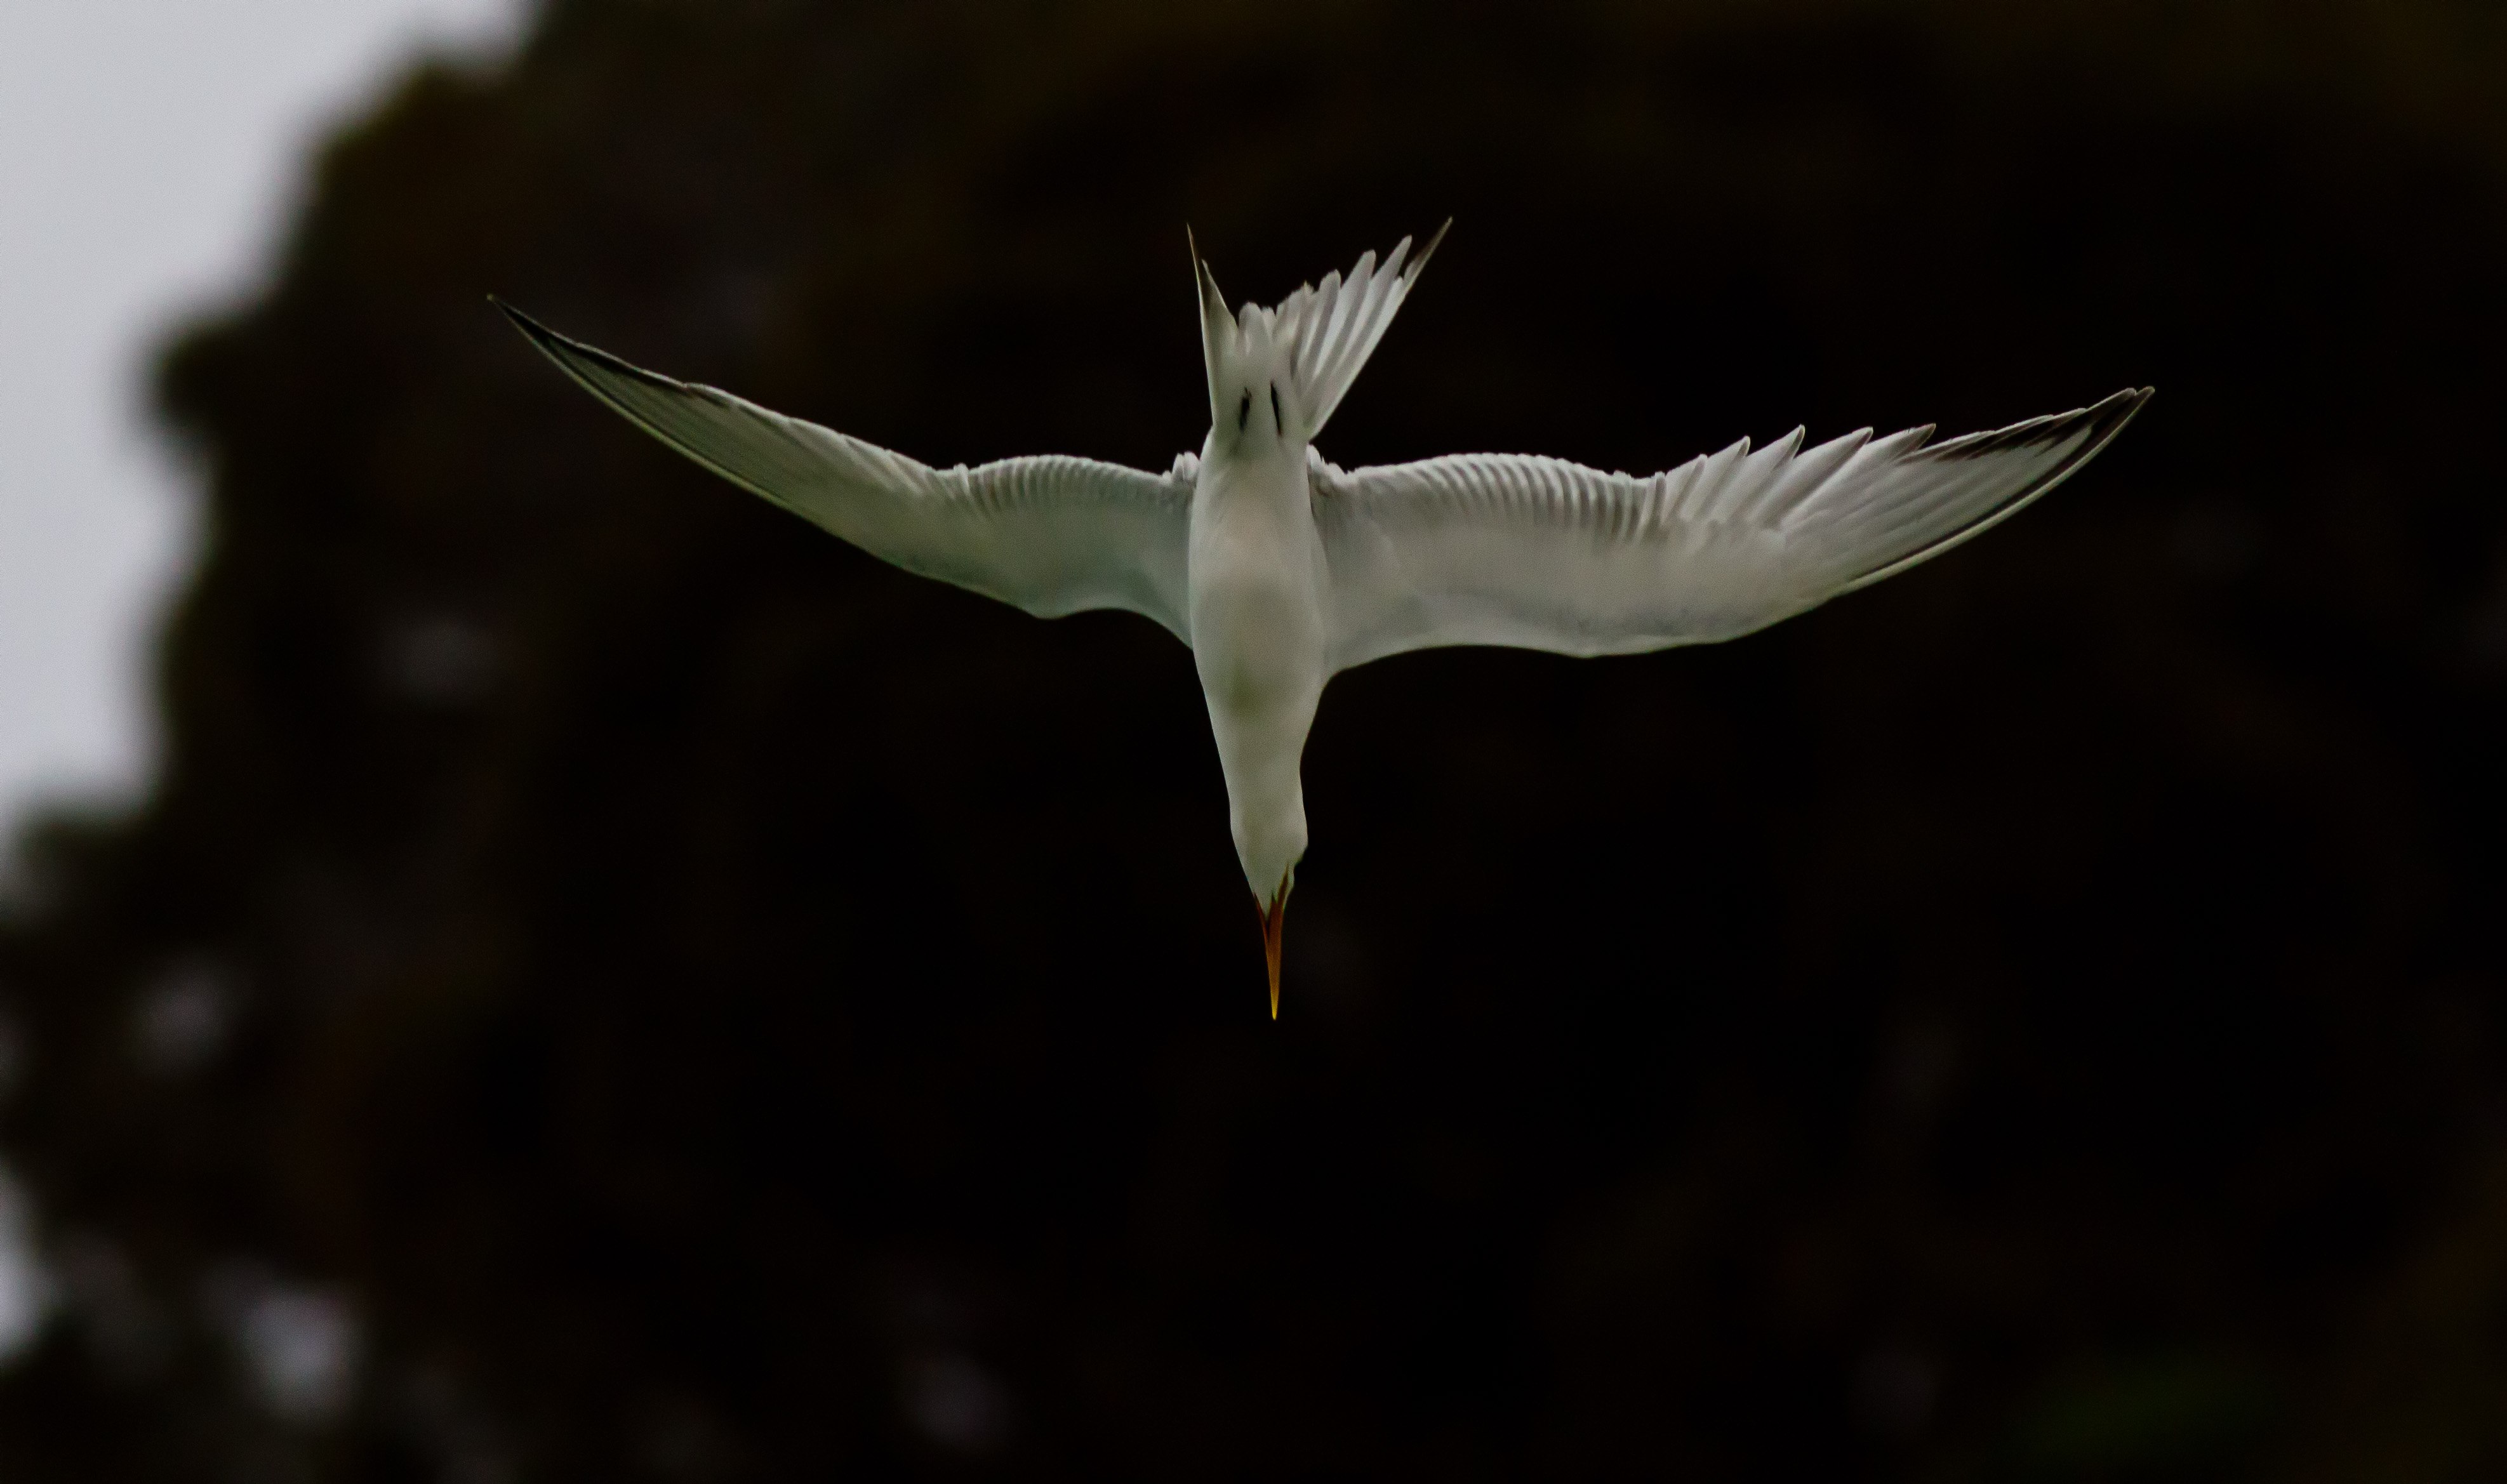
(1271, 920)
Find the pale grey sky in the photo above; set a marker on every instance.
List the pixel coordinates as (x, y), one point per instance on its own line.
(150, 151)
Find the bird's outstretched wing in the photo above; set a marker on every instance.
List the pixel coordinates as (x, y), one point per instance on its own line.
(1051, 534)
(1542, 553)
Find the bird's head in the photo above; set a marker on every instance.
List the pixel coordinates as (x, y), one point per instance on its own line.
(1249, 356)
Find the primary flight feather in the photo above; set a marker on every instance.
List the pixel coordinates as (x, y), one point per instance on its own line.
(1280, 569)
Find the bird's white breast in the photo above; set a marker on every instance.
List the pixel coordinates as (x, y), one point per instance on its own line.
(1254, 569)
(1255, 576)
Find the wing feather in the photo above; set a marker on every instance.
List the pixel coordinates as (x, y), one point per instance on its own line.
(1543, 553)
(1051, 534)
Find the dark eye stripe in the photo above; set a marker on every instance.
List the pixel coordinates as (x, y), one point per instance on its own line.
(1243, 408)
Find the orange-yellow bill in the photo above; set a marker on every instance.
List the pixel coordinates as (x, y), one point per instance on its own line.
(1272, 917)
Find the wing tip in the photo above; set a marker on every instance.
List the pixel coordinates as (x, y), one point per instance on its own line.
(575, 358)
(532, 330)
(2103, 420)
(1411, 271)
(2094, 424)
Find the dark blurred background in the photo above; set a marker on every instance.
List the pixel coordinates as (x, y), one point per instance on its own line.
(611, 984)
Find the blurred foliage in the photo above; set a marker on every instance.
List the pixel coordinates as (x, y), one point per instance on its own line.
(611, 985)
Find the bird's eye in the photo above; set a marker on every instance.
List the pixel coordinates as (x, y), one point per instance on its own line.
(1277, 420)
(1243, 408)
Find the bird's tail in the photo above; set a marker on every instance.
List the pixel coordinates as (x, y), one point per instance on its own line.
(1328, 330)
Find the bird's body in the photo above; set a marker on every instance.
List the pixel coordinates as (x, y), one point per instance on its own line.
(1280, 569)
(1256, 576)
(1259, 581)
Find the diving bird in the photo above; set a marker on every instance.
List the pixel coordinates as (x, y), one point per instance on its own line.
(1281, 569)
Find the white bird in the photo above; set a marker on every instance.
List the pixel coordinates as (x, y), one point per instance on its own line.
(1280, 569)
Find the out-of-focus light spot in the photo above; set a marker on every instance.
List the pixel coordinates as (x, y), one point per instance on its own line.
(303, 1349)
(955, 1403)
(299, 1344)
(181, 1020)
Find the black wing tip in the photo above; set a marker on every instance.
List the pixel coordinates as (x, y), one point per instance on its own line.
(573, 356)
(2113, 411)
(537, 334)
(1411, 270)
(2100, 421)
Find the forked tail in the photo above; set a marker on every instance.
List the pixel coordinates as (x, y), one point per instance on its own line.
(1323, 332)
